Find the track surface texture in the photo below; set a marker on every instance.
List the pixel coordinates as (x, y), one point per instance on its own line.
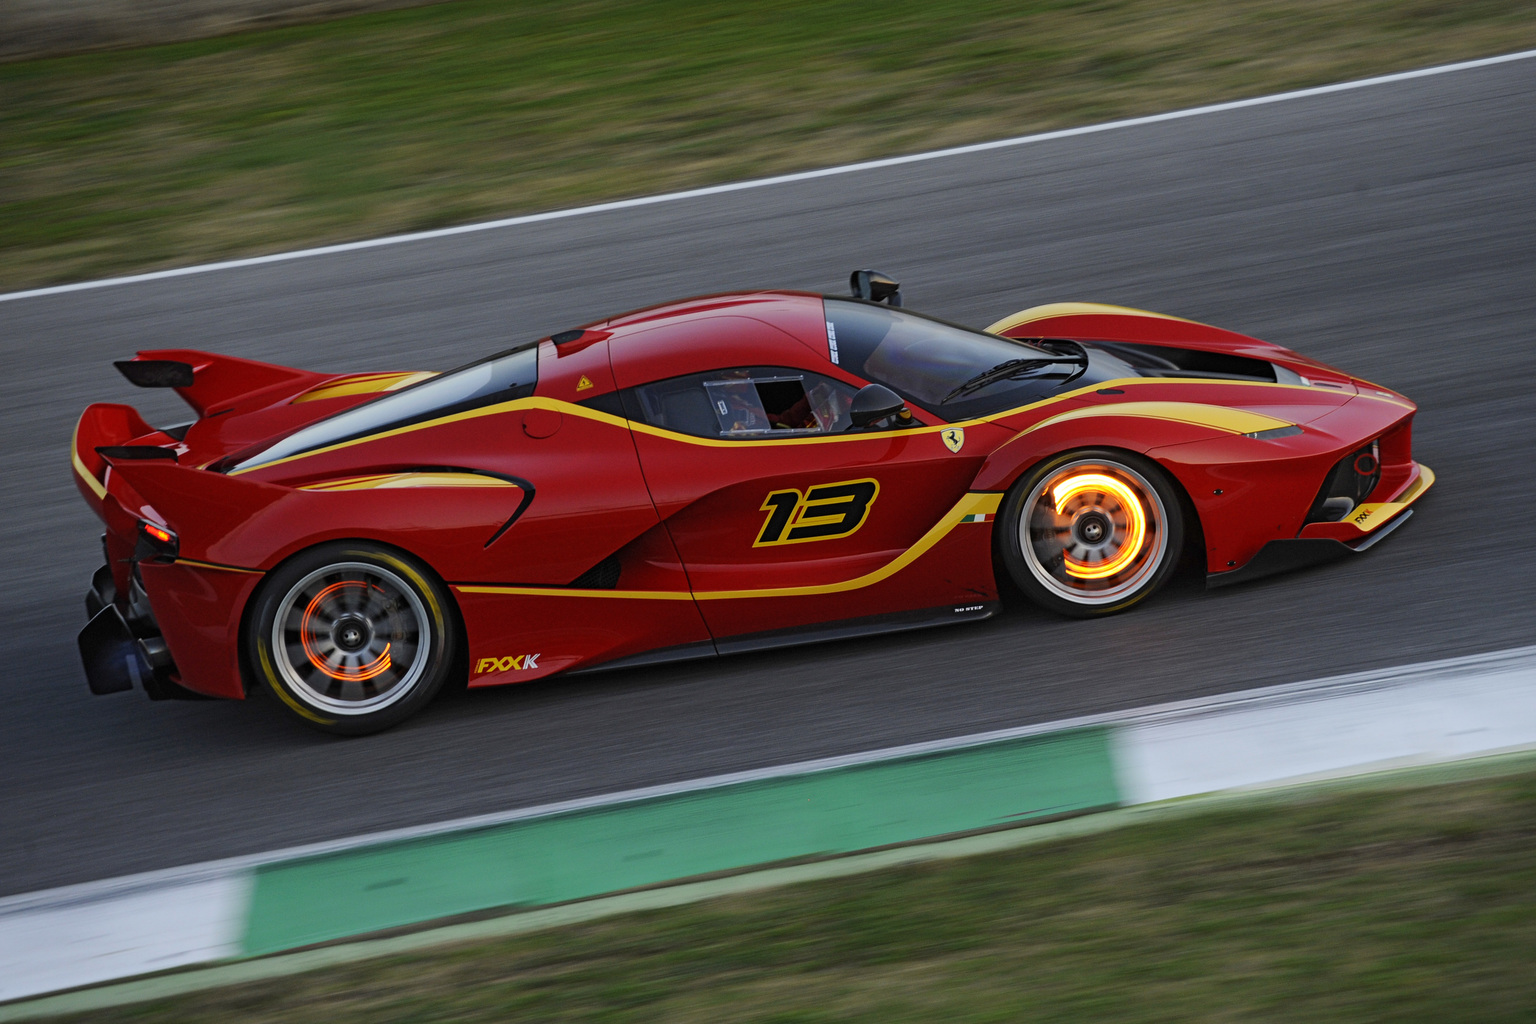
(1388, 230)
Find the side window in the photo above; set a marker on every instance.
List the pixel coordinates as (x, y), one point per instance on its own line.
(750, 403)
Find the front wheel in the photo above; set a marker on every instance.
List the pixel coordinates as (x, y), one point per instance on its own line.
(1090, 533)
(352, 638)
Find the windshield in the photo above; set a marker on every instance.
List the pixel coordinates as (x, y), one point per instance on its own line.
(952, 371)
(500, 378)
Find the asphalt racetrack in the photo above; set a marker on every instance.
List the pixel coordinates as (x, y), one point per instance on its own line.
(1391, 230)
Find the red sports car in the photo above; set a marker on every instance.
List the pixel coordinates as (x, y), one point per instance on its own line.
(721, 474)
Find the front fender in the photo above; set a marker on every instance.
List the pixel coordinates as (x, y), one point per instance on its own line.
(1102, 430)
(1249, 492)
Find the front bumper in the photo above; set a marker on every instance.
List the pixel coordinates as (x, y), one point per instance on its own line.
(1320, 543)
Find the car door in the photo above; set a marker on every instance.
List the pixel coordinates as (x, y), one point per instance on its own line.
(784, 517)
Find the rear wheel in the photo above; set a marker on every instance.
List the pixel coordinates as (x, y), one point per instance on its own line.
(1090, 533)
(352, 638)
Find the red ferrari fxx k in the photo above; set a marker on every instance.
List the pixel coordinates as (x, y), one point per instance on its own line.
(715, 475)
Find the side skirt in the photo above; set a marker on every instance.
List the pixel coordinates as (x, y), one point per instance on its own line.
(663, 656)
(873, 625)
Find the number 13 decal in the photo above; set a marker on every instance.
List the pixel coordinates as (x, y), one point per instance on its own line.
(823, 512)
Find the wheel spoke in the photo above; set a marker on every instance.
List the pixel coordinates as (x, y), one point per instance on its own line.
(351, 638)
(1093, 532)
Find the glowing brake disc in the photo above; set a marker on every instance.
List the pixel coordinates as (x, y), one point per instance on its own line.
(1093, 532)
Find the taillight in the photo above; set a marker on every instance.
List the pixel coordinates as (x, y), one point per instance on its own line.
(157, 543)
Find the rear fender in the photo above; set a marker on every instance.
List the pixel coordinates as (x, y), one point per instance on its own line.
(200, 506)
(458, 531)
(199, 610)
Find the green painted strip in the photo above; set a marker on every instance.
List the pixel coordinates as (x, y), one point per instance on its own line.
(589, 852)
(123, 993)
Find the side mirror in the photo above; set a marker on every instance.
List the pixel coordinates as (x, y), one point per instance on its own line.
(876, 402)
(875, 287)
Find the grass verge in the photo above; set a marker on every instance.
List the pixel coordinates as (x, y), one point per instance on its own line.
(1413, 904)
(404, 120)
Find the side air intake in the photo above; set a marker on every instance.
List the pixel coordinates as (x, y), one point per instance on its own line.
(1349, 483)
(602, 576)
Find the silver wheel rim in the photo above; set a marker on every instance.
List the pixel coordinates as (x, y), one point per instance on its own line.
(351, 638)
(1093, 531)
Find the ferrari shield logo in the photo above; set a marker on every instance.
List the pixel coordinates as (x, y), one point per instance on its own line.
(954, 438)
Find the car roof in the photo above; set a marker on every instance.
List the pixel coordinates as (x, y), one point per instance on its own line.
(711, 332)
(770, 303)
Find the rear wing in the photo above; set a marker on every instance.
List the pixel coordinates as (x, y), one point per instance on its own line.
(211, 383)
(102, 424)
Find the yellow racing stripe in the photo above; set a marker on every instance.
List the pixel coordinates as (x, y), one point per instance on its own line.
(194, 563)
(1217, 417)
(971, 504)
(1055, 309)
(97, 487)
(390, 481)
(362, 384)
(1373, 514)
(570, 409)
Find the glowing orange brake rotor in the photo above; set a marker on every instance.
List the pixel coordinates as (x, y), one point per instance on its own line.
(376, 667)
(1136, 528)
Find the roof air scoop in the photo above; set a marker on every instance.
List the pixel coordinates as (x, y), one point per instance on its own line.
(873, 286)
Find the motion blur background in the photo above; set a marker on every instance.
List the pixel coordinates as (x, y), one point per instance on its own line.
(1386, 230)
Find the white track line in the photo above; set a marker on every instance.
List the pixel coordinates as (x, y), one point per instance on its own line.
(1518, 660)
(66, 945)
(782, 179)
(1427, 715)
(1368, 721)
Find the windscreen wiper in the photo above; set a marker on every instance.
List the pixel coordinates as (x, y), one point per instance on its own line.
(1010, 368)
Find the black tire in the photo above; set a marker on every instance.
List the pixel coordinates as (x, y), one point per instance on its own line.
(352, 637)
(1091, 532)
